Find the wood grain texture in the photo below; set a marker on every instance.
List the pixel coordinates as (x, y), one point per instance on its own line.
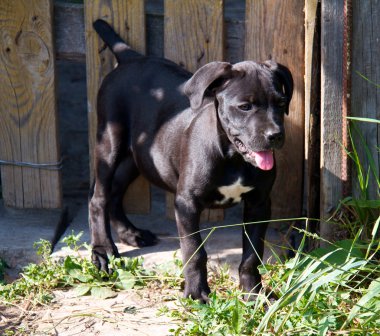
(193, 32)
(332, 156)
(127, 17)
(28, 127)
(275, 30)
(69, 31)
(365, 95)
(310, 21)
(193, 37)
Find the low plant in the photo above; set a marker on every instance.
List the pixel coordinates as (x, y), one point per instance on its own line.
(37, 281)
(331, 291)
(361, 211)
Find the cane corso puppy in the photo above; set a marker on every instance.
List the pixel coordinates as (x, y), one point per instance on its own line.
(207, 137)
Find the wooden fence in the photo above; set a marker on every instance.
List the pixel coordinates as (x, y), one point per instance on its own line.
(313, 167)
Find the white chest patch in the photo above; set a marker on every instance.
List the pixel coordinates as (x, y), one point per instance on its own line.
(233, 192)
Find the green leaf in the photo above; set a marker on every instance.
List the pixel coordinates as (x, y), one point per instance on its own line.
(339, 252)
(80, 276)
(364, 119)
(333, 276)
(323, 326)
(81, 290)
(127, 279)
(373, 204)
(69, 264)
(103, 293)
(236, 317)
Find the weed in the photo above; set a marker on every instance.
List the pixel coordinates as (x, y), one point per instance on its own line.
(38, 281)
(361, 212)
(333, 290)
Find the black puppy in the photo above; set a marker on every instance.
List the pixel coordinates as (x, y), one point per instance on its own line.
(208, 138)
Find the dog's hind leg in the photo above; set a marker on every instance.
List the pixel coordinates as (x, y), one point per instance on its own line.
(107, 157)
(125, 174)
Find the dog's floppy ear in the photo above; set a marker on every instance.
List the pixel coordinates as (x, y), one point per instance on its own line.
(285, 78)
(208, 77)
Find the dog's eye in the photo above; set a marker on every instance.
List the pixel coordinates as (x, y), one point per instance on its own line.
(246, 107)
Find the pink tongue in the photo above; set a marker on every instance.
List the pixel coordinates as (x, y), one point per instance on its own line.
(264, 160)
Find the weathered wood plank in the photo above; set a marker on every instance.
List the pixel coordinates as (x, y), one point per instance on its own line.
(275, 30)
(365, 95)
(128, 19)
(28, 128)
(69, 31)
(193, 32)
(332, 121)
(193, 37)
(70, 41)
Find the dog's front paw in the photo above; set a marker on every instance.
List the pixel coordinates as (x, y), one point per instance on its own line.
(100, 255)
(199, 293)
(251, 286)
(138, 238)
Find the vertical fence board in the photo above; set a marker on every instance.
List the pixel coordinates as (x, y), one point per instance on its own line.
(275, 30)
(366, 95)
(332, 121)
(127, 17)
(193, 37)
(312, 113)
(28, 114)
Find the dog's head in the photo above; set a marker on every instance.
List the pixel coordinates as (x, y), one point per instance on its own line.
(251, 100)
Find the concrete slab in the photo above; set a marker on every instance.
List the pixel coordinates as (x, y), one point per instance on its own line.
(20, 228)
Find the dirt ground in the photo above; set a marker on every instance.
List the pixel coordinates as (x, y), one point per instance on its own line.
(132, 312)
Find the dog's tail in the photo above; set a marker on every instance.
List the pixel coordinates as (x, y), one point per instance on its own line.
(119, 48)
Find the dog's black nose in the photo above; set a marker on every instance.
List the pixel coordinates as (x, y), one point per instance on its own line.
(275, 138)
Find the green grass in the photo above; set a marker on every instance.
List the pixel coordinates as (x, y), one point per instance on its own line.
(359, 212)
(37, 281)
(331, 291)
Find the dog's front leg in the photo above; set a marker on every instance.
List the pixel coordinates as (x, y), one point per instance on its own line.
(194, 257)
(253, 244)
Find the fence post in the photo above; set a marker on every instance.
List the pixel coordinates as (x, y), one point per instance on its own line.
(28, 113)
(333, 123)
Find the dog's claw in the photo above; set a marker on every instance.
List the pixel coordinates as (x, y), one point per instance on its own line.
(138, 238)
(100, 255)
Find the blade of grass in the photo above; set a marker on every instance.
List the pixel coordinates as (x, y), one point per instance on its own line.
(364, 119)
(199, 247)
(367, 79)
(374, 290)
(374, 235)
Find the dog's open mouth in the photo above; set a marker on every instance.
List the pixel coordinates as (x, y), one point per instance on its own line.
(263, 159)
